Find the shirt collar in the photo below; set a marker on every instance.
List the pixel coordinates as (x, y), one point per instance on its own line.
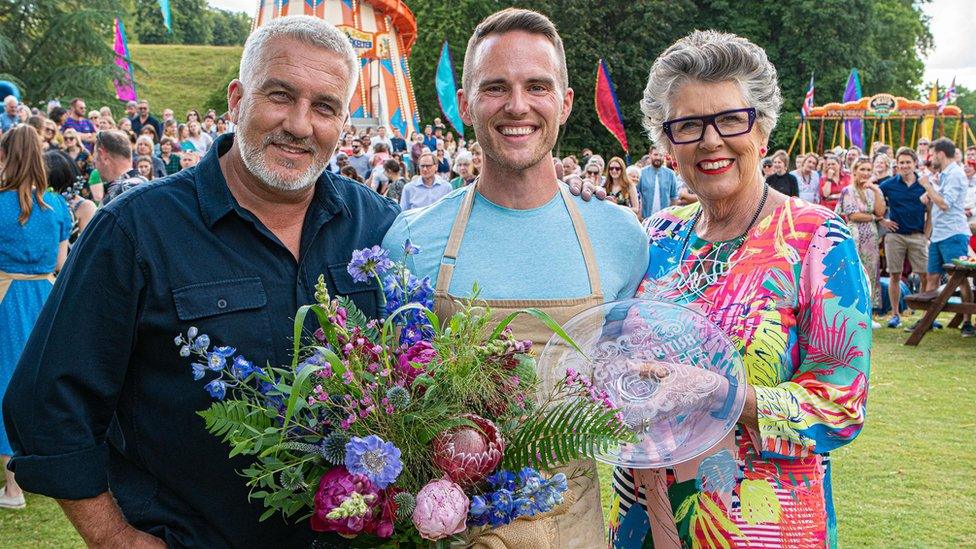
(216, 200)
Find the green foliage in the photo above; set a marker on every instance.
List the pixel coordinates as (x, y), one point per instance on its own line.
(357, 319)
(885, 39)
(230, 28)
(193, 22)
(566, 429)
(239, 423)
(59, 48)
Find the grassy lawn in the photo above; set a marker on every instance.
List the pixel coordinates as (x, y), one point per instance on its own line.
(182, 77)
(907, 481)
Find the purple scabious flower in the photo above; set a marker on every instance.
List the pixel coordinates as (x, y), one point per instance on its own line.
(374, 458)
(369, 262)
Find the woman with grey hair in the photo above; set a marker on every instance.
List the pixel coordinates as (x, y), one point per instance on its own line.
(781, 277)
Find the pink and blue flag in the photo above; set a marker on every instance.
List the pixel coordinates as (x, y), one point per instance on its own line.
(607, 107)
(808, 100)
(125, 89)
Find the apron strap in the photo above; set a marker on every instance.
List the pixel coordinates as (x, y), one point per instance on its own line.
(446, 271)
(6, 279)
(589, 258)
(664, 531)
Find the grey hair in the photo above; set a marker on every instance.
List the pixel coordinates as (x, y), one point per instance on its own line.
(10, 100)
(711, 56)
(302, 28)
(463, 156)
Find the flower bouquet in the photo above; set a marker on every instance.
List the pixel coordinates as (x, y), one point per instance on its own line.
(404, 431)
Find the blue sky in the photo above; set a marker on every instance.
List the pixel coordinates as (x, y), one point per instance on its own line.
(954, 54)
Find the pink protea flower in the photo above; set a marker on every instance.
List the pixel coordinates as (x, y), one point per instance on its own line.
(468, 455)
(441, 511)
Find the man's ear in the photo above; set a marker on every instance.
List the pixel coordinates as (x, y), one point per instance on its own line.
(235, 93)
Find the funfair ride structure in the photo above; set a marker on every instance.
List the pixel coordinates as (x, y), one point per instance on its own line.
(382, 32)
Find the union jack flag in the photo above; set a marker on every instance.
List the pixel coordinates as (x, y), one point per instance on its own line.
(948, 97)
(808, 100)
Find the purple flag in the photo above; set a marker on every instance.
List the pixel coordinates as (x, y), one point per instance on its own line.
(125, 89)
(853, 128)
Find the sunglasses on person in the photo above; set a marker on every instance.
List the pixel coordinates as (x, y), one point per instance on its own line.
(614, 168)
(691, 129)
(588, 172)
(70, 138)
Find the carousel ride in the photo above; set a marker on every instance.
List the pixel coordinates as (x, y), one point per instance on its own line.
(382, 32)
(895, 121)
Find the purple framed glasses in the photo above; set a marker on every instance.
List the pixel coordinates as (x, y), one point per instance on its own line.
(691, 129)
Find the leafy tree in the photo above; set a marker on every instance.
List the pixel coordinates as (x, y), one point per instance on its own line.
(59, 48)
(192, 22)
(230, 28)
(885, 39)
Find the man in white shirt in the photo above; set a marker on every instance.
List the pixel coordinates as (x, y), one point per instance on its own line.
(381, 137)
(426, 188)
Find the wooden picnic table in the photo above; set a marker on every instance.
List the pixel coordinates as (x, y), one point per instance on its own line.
(936, 302)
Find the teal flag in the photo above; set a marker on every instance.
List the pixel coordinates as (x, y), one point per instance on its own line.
(167, 16)
(446, 86)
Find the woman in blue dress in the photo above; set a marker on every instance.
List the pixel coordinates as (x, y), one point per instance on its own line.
(34, 229)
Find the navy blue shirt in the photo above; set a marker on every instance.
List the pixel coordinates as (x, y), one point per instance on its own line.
(101, 398)
(904, 205)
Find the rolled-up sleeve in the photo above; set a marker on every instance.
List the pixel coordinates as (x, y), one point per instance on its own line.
(64, 391)
(822, 406)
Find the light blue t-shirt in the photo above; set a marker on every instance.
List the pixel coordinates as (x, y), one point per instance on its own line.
(953, 187)
(525, 254)
(667, 189)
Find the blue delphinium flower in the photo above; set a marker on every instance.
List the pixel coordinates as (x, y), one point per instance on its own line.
(200, 344)
(192, 333)
(225, 351)
(241, 368)
(478, 512)
(198, 370)
(217, 389)
(368, 263)
(409, 248)
(502, 479)
(374, 458)
(502, 508)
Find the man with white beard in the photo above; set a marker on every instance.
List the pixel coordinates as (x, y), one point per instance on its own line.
(107, 425)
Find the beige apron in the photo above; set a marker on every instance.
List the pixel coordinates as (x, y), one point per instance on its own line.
(6, 279)
(581, 525)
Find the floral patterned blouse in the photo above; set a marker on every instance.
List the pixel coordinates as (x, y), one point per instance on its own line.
(794, 300)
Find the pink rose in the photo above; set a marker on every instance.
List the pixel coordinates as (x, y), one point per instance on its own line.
(419, 353)
(441, 511)
(336, 487)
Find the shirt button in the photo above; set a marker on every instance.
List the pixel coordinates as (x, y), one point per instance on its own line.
(221, 303)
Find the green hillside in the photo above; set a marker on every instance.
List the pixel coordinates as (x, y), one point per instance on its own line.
(183, 77)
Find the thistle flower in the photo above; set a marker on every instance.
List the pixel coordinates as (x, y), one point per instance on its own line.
(333, 447)
(405, 504)
(398, 397)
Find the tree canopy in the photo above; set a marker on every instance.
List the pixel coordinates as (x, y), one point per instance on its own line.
(193, 22)
(886, 40)
(59, 48)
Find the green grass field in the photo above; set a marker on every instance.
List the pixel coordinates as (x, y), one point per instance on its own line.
(907, 481)
(182, 77)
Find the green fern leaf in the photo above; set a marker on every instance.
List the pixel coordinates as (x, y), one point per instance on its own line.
(563, 432)
(233, 420)
(356, 318)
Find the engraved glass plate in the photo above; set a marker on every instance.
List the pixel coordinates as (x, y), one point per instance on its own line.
(676, 377)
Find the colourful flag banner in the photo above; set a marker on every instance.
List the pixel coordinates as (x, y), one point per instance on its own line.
(854, 129)
(808, 100)
(167, 15)
(125, 89)
(928, 121)
(446, 85)
(949, 96)
(607, 107)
